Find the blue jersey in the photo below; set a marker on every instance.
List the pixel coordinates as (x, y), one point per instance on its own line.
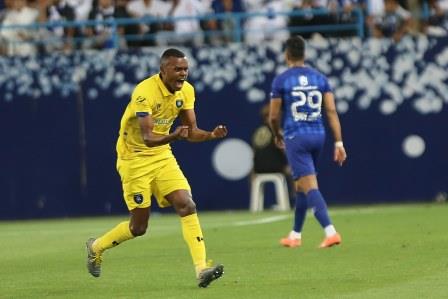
(301, 90)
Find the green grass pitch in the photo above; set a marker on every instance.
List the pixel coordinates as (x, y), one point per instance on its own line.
(397, 251)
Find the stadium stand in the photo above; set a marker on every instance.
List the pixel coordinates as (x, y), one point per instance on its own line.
(64, 25)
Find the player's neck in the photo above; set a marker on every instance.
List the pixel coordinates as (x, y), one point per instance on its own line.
(299, 63)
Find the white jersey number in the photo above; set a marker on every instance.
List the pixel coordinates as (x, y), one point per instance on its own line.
(314, 100)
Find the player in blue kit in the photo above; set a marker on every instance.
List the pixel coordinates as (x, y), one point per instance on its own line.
(297, 98)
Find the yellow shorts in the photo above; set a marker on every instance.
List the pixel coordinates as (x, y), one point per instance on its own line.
(156, 175)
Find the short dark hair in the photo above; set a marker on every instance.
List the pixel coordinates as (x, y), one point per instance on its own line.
(171, 52)
(295, 47)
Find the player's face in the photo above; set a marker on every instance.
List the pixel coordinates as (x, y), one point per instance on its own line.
(174, 73)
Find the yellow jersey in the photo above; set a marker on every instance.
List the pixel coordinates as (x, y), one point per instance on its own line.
(152, 97)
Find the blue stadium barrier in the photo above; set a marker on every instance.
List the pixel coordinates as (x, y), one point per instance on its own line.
(60, 117)
(356, 25)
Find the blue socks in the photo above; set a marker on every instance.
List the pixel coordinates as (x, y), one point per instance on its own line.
(316, 201)
(300, 211)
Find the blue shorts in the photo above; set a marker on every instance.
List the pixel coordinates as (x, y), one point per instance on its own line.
(303, 152)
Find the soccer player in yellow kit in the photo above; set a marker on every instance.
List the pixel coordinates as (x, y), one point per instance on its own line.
(147, 166)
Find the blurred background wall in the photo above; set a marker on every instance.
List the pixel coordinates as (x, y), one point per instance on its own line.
(60, 117)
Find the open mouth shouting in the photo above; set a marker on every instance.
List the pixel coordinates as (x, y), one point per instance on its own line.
(179, 83)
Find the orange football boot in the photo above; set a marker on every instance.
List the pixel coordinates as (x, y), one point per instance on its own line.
(331, 241)
(291, 243)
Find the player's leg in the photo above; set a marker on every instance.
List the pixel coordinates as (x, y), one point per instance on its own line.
(124, 231)
(191, 229)
(294, 238)
(136, 191)
(316, 201)
(171, 188)
(96, 247)
(192, 232)
(300, 161)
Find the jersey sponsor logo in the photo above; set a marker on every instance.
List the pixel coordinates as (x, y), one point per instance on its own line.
(140, 99)
(309, 87)
(157, 108)
(179, 103)
(200, 239)
(162, 121)
(138, 198)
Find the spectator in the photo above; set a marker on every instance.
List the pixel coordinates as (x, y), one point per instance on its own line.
(149, 10)
(437, 23)
(82, 8)
(55, 36)
(225, 26)
(104, 34)
(127, 31)
(187, 32)
(268, 158)
(269, 27)
(394, 22)
(313, 13)
(341, 12)
(363, 6)
(19, 41)
(3, 10)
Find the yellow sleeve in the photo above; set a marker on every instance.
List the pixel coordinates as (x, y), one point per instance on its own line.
(140, 100)
(189, 96)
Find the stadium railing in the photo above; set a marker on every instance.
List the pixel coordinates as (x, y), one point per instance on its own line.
(355, 25)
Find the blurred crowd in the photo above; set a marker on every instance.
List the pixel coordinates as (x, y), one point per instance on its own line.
(162, 22)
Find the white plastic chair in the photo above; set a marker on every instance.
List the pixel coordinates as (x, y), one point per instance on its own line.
(257, 191)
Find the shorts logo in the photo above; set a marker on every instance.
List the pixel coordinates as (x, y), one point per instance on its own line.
(179, 103)
(138, 198)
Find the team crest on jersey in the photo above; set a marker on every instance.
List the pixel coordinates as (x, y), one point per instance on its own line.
(179, 103)
(138, 198)
(303, 80)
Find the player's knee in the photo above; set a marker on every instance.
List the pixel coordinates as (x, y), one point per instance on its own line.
(191, 207)
(186, 208)
(138, 230)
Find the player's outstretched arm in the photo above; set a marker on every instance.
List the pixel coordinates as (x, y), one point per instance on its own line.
(146, 125)
(188, 118)
(335, 126)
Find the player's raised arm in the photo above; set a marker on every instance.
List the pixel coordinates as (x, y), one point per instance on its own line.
(188, 118)
(335, 127)
(275, 118)
(151, 139)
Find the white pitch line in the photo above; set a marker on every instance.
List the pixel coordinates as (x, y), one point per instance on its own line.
(4, 231)
(261, 221)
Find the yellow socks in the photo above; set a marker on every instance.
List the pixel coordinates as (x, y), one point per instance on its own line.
(192, 233)
(112, 238)
(191, 230)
